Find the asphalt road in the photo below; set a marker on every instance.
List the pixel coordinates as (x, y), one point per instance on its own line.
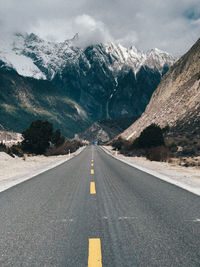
(125, 217)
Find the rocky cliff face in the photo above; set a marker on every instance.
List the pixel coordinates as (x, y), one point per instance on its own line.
(176, 101)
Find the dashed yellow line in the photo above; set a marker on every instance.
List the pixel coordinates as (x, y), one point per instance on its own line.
(94, 253)
(92, 171)
(92, 188)
(92, 164)
(92, 160)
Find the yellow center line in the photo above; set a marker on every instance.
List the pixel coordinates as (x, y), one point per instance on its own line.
(92, 188)
(92, 171)
(92, 164)
(92, 160)
(94, 253)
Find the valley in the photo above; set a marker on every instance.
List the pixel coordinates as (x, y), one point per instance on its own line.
(103, 81)
(100, 133)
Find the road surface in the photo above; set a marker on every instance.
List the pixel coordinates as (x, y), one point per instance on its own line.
(97, 211)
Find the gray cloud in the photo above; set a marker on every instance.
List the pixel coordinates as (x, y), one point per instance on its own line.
(171, 25)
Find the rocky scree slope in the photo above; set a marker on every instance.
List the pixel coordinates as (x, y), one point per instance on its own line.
(176, 101)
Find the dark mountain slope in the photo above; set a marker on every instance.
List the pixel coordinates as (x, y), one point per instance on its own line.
(107, 91)
(23, 100)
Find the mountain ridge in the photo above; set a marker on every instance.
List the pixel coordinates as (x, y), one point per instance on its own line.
(49, 57)
(176, 101)
(107, 80)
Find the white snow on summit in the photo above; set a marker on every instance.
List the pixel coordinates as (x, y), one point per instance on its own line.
(22, 64)
(31, 56)
(126, 56)
(158, 58)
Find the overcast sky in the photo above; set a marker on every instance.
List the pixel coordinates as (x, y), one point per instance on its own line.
(170, 25)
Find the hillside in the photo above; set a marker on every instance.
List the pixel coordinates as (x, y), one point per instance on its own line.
(24, 99)
(176, 101)
(107, 80)
(104, 130)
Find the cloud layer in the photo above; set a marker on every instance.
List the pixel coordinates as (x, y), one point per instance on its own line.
(171, 25)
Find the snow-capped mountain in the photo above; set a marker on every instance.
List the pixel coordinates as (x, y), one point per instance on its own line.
(12, 57)
(31, 56)
(107, 80)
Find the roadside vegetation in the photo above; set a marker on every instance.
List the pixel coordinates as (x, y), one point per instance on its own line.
(158, 144)
(4, 148)
(150, 143)
(40, 139)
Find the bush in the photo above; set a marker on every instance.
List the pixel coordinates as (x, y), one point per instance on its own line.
(57, 139)
(151, 136)
(64, 149)
(183, 141)
(118, 143)
(3, 148)
(160, 153)
(37, 137)
(126, 147)
(165, 129)
(173, 147)
(188, 152)
(16, 150)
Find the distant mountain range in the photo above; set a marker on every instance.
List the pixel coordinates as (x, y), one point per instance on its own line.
(105, 130)
(107, 81)
(176, 101)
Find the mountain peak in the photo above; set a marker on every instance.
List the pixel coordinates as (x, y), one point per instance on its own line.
(76, 37)
(49, 58)
(158, 51)
(32, 37)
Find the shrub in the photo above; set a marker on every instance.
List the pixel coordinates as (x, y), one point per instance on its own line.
(3, 148)
(16, 150)
(151, 136)
(165, 129)
(188, 152)
(173, 147)
(68, 145)
(117, 143)
(126, 147)
(160, 153)
(57, 139)
(37, 137)
(183, 141)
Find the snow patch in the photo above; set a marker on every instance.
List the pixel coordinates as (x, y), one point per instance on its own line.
(23, 65)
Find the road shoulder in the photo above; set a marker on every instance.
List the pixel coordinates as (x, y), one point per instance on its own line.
(16, 170)
(186, 178)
